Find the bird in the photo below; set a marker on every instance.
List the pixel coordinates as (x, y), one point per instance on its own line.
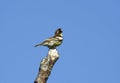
(53, 41)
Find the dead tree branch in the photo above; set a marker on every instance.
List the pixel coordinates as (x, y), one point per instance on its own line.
(46, 66)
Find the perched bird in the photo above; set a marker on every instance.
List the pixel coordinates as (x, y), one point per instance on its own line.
(54, 41)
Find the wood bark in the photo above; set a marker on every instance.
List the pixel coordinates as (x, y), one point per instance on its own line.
(46, 66)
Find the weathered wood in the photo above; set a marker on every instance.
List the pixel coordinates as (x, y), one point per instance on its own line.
(46, 66)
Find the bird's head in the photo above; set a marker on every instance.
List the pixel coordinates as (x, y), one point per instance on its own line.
(58, 32)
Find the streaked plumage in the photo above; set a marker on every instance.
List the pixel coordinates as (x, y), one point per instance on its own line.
(54, 41)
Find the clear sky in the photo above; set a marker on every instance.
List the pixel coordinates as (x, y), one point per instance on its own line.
(90, 52)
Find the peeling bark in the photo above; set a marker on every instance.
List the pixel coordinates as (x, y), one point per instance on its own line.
(46, 66)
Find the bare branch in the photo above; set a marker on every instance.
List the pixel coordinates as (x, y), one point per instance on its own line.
(46, 66)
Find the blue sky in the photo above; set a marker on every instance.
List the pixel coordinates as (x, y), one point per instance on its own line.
(90, 52)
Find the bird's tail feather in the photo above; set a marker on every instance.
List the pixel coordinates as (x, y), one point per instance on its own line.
(37, 45)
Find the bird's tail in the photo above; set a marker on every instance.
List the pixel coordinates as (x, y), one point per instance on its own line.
(37, 45)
